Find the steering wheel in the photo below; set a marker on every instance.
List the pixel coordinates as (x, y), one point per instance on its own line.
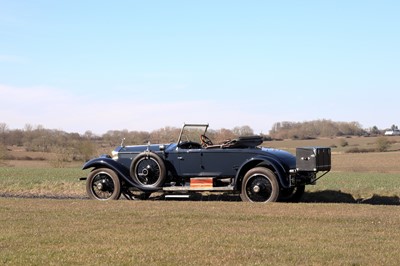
(205, 141)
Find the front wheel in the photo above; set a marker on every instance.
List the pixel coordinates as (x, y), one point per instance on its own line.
(103, 184)
(260, 185)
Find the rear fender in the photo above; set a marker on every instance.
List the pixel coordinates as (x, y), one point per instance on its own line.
(105, 161)
(274, 165)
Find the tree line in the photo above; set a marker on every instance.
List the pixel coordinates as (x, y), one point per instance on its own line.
(83, 146)
(319, 129)
(75, 146)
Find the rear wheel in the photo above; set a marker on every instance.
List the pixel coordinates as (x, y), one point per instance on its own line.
(260, 185)
(103, 184)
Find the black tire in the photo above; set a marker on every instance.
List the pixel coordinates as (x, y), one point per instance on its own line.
(293, 194)
(148, 170)
(103, 184)
(260, 185)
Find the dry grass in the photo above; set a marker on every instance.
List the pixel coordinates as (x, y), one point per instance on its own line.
(344, 187)
(76, 232)
(335, 143)
(380, 162)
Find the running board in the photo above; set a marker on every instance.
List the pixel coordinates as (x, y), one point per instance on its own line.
(176, 196)
(198, 189)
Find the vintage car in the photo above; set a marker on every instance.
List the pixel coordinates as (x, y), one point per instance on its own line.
(194, 164)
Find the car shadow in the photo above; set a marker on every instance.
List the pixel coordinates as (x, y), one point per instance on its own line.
(324, 196)
(334, 196)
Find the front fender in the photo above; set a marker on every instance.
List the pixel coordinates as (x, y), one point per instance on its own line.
(271, 163)
(106, 161)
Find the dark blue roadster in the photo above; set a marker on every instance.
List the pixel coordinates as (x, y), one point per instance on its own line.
(195, 164)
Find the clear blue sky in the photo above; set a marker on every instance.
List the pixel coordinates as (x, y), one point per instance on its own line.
(142, 65)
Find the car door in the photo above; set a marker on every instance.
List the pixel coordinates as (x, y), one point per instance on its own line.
(189, 162)
(222, 162)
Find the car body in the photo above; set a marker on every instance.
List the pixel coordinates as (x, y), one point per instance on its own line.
(195, 164)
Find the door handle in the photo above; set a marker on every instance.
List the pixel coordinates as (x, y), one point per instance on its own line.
(180, 158)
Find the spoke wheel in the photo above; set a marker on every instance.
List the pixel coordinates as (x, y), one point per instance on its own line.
(103, 184)
(148, 170)
(260, 185)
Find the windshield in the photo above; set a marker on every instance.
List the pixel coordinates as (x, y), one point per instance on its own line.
(192, 132)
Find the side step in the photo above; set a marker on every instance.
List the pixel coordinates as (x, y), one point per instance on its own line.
(172, 196)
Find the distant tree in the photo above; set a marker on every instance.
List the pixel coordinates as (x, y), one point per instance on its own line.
(243, 131)
(3, 133)
(350, 128)
(88, 134)
(383, 144)
(164, 135)
(394, 127)
(327, 128)
(314, 129)
(138, 137)
(375, 131)
(15, 137)
(28, 127)
(221, 135)
(3, 152)
(28, 135)
(113, 137)
(86, 149)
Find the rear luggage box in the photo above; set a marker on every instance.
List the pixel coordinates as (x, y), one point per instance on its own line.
(313, 159)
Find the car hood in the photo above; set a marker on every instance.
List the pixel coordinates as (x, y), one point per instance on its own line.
(138, 148)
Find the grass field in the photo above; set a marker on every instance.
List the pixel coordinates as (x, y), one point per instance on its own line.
(76, 232)
(351, 217)
(338, 187)
(40, 182)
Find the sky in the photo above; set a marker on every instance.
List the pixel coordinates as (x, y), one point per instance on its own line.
(143, 65)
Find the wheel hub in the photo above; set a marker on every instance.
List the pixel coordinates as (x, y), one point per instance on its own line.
(146, 171)
(256, 189)
(100, 186)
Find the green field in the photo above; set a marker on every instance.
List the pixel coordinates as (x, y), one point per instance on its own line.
(350, 217)
(42, 182)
